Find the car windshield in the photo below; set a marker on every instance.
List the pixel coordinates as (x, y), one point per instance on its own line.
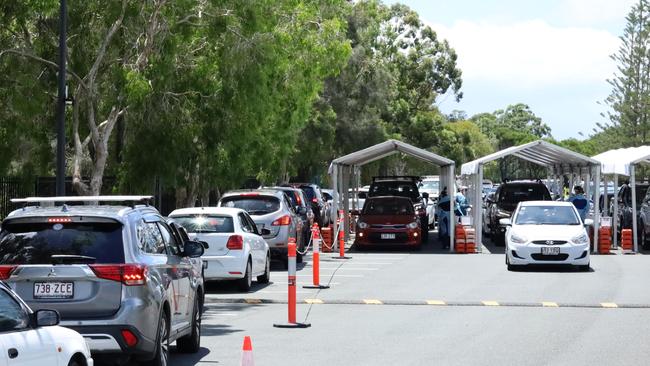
(254, 205)
(387, 207)
(430, 185)
(401, 189)
(206, 223)
(516, 194)
(43, 243)
(547, 215)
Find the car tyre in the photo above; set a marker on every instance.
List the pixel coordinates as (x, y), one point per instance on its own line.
(584, 268)
(244, 284)
(267, 272)
(161, 356)
(74, 362)
(643, 236)
(191, 343)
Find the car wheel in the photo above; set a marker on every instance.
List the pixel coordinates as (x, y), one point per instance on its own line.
(584, 268)
(267, 272)
(74, 362)
(244, 284)
(161, 357)
(643, 237)
(191, 343)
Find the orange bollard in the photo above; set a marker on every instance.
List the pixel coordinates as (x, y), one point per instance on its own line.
(291, 253)
(626, 239)
(316, 259)
(326, 232)
(604, 240)
(461, 239)
(341, 235)
(247, 352)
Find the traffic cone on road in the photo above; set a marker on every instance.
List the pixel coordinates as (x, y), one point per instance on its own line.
(247, 353)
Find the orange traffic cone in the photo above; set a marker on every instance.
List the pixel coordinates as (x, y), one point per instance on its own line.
(247, 353)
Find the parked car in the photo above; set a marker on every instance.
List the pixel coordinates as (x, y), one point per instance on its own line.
(318, 204)
(643, 212)
(501, 204)
(301, 207)
(431, 185)
(117, 274)
(32, 338)
(270, 210)
(388, 220)
(403, 186)
(546, 232)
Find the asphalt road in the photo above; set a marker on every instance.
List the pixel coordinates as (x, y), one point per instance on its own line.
(395, 307)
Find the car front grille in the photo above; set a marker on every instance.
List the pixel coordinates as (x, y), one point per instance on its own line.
(542, 257)
(549, 242)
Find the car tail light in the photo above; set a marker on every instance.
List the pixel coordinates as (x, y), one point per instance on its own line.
(298, 199)
(59, 219)
(315, 200)
(5, 271)
(129, 338)
(282, 221)
(128, 274)
(235, 242)
(249, 194)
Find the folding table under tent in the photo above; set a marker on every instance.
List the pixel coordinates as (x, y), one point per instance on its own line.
(558, 160)
(346, 168)
(623, 162)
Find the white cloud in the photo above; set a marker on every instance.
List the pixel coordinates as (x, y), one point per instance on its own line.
(531, 53)
(593, 12)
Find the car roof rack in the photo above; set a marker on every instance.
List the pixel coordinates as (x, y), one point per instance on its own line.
(48, 201)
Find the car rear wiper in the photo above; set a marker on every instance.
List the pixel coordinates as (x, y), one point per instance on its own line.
(257, 212)
(72, 259)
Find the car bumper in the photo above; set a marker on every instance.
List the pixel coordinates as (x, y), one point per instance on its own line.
(107, 339)
(224, 267)
(372, 237)
(531, 254)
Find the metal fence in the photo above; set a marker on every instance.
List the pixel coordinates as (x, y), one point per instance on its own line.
(12, 188)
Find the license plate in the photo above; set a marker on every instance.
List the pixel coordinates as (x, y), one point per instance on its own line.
(388, 236)
(550, 250)
(53, 290)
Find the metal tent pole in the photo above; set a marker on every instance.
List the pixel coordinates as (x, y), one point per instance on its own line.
(452, 216)
(335, 199)
(478, 217)
(634, 225)
(596, 210)
(615, 213)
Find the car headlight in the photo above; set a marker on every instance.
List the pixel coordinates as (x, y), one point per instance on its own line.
(503, 214)
(518, 239)
(580, 239)
(362, 225)
(413, 225)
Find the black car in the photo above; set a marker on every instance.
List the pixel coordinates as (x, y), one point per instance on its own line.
(624, 200)
(500, 204)
(403, 186)
(315, 197)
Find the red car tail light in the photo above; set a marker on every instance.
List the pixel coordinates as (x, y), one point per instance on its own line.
(128, 274)
(282, 221)
(315, 200)
(235, 242)
(129, 338)
(5, 271)
(58, 219)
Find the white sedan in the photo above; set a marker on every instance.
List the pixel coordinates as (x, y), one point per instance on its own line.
(237, 251)
(35, 339)
(546, 232)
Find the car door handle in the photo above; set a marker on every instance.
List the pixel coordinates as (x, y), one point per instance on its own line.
(12, 352)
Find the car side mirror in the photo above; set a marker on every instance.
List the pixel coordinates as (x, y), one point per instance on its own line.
(589, 222)
(193, 249)
(265, 232)
(46, 318)
(505, 222)
(205, 244)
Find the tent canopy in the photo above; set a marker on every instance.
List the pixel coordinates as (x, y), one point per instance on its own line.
(539, 152)
(388, 148)
(619, 161)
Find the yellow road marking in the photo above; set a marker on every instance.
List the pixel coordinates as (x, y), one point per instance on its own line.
(608, 305)
(253, 301)
(490, 303)
(372, 302)
(313, 301)
(549, 304)
(436, 302)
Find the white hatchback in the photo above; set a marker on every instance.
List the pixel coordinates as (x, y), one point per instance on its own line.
(35, 339)
(546, 232)
(236, 250)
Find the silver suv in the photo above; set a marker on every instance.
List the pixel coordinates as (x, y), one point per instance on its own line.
(117, 274)
(270, 209)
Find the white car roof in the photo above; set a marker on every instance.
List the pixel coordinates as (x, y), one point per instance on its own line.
(206, 210)
(546, 203)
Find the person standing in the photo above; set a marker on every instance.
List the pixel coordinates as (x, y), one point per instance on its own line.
(580, 202)
(443, 208)
(462, 204)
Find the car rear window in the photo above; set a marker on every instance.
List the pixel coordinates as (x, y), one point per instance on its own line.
(254, 205)
(516, 194)
(387, 207)
(310, 192)
(37, 243)
(197, 224)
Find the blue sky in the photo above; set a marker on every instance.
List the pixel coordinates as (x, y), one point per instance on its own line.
(553, 55)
